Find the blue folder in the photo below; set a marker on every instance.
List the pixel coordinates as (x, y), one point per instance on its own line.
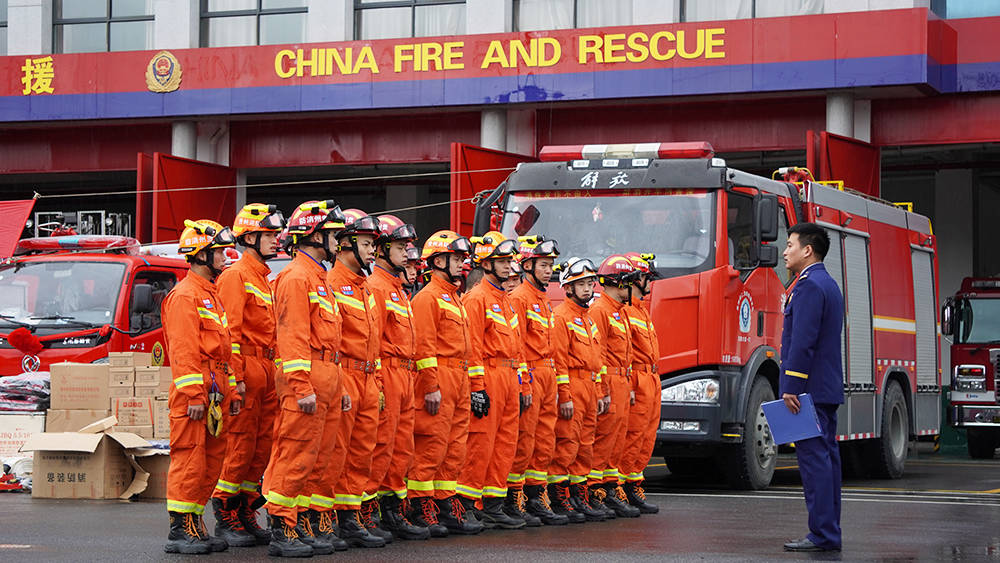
(787, 427)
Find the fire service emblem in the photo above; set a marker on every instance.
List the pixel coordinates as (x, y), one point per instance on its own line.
(163, 73)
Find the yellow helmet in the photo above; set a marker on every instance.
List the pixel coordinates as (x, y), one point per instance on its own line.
(444, 242)
(203, 234)
(258, 217)
(492, 245)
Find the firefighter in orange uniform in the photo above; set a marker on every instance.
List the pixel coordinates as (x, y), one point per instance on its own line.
(441, 390)
(644, 416)
(536, 432)
(359, 348)
(393, 453)
(297, 482)
(615, 276)
(577, 357)
(246, 294)
(496, 349)
(198, 345)
(412, 269)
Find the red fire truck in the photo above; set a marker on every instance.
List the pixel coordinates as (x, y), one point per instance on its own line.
(82, 297)
(972, 319)
(717, 234)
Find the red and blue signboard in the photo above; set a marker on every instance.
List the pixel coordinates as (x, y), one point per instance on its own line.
(862, 49)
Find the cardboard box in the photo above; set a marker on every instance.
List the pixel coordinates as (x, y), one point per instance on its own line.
(86, 465)
(15, 429)
(119, 393)
(79, 386)
(72, 420)
(156, 463)
(153, 374)
(133, 411)
(161, 418)
(147, 389)
(120, 377)
(129, 359)
(141, 431)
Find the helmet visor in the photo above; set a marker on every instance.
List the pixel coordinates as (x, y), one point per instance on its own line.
(460, 245)
(223, 238)
(547, 248)
(274, 221)
(580, 267)
(366, 224)
(406, 232)
(413, 254)
(504, 249)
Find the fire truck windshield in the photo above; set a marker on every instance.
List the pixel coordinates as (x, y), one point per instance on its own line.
(59, 294)
(678, 226)
(978, 320)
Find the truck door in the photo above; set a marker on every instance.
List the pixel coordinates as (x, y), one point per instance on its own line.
(467, 181)
(162, 203)
(147, 325)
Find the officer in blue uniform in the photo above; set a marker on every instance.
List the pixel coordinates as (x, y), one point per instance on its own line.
(811, 363)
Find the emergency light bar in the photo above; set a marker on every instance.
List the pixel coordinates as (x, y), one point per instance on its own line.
(564, 153)
(986, 284)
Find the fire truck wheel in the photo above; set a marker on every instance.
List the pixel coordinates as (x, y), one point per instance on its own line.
(890, 447)
(751, 464)
(982, 442)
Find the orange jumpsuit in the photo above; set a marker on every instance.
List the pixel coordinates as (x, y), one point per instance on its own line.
(308, 336)
(359, 349)
(576, 346)
(246, 293)
(442, 345)
(496, 351)
(197, 334)
(644, 416)
(536, 432)
(394, 443)
(613, 323)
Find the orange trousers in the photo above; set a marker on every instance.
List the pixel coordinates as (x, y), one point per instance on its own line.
(439, 440)
(643, 420)
(493, 438)
(250, 433)
(536, 432)
(195, 459)
(574, 450)
(609, 440)
(299, 441)
(356, 440)
(393, 452)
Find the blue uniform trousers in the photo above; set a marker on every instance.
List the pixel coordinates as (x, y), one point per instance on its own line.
(819, 465)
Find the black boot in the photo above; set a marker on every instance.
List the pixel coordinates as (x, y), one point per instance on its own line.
(423, 514)
(228, 526)
(394, 519)
(324, 528)
(353, 531)
(472, 514)
(580, 500)
(371, 518)
(561, 506)
(215, 544)
(637, 498)
(513, 506)
(538, 506)
(451, 514)
(595, 498)
(615, 500)
(184, 535)
(248, 517)
(304, 529)
(285, 540)
(495, 517)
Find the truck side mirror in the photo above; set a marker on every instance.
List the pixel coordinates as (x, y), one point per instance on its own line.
(768, 256)
(766, 218)
(481, 219)
(947, 317)
(142, 298)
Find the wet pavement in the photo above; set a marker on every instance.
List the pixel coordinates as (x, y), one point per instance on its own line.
(945, 508)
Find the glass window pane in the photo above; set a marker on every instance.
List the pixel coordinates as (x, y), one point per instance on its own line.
(125, 8)
(954, 9)
(385, 23)
(229, 5)
(3, 41)
(275, 4)
(234, 31)
(131, 36)
(534, 15)
(775, 8)
(702, 10)
(3, 12)
(282, 28)
(81, 38)
(67, 9)
(447, 19)
(601, 13)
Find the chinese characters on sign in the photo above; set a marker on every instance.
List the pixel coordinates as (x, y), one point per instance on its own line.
(38, 75)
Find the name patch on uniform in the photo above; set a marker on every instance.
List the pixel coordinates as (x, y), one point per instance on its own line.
(446, 297)
(536, 308)
(496, 308)
(208, 303)
(321, 290)
(347, 290)
(616, 316)
(578, 321)
(394, 296)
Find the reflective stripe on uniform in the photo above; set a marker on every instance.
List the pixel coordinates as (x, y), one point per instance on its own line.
(445, 485)
(254, 290)
(469, 491)
(494, 492)
(296, 365)
(232, 381)
(248, 486)
(321, 501)
(515, 477)
(639, 323)
(577, 479)
(536, 475)
(577, 329)
(618, 325)
(562, 378)
(442, 304)
(279, 499)
(228, 487)
(207, 314)
(420, 485)
(425, 363)
(556, 478)
(394, 307)
(496, 317)
(235, 347)
(349, 500)
(349, 301)
(190, 379)
(514, 322)
(533, 316)
(323, 302)
(477, 371)
(181, 506)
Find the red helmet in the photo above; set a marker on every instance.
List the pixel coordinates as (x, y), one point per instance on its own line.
(616, 270)
(393, 228)
(644, 263)
(413, 254)
(312, 216)
(357, 222)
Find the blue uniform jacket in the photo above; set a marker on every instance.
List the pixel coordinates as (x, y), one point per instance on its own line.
(810, 338)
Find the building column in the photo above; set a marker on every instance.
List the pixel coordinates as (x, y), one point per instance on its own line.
(184, 139)
(493, 129)
(330, 20)
(176, 24)
(29, 27)
(863, 120)
(840, 113)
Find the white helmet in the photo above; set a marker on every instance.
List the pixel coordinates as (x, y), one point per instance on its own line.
(575, 269)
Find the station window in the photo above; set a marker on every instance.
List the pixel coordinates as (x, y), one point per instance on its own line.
(387, 19)
(954, 9)
(699, 10)
(3, 27)
(534, 15)
(236, 23)
(89, 26)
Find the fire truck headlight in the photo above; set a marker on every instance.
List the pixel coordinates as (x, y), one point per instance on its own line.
(696, 391)
(970, 378)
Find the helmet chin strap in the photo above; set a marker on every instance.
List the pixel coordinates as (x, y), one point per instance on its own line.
(365, 267)
(256, 246)
(447, 268)
(491, 272)
(209, 262)
(534, 279)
